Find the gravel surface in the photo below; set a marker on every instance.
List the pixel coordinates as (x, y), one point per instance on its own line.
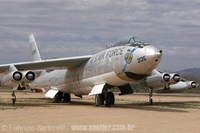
(132, 113)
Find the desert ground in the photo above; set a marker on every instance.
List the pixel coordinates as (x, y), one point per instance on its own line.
(131, 113)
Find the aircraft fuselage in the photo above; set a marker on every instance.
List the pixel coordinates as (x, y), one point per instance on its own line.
(115, 66)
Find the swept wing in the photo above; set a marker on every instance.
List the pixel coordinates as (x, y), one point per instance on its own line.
(50, 64)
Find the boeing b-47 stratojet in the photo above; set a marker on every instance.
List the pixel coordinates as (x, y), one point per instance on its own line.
(128, 60)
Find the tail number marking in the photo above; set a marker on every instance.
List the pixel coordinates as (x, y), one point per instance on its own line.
(141, 59)
(34, 52)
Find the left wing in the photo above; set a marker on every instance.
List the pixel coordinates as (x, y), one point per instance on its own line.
(19, 75)
(38, 64)
(50, 64)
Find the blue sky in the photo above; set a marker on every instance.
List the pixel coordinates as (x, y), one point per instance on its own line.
(65, 28)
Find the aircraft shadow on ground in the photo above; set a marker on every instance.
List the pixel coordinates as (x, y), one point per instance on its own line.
(167, 107)
(157, 106)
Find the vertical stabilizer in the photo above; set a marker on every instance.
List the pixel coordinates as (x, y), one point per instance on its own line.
(34, 49)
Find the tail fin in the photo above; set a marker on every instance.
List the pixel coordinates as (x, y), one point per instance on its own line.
(34, 49)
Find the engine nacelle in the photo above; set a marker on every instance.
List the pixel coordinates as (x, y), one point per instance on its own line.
(12, 78)
(175, 78)
(28, 76)
(174, 88)
(179, 87)
(191, 85)
(158, 80)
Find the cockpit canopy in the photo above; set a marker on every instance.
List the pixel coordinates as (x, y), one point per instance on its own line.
(126, 40)
(129, 40)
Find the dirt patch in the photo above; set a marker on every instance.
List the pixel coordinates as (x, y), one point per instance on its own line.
(132, 113)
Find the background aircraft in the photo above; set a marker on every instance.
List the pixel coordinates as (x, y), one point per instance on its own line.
(128, 60)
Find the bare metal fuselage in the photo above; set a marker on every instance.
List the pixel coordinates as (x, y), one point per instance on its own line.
(111, 66)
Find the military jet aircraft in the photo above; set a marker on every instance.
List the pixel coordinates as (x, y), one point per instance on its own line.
(128, 60)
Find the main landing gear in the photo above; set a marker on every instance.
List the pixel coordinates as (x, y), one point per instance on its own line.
(108, 97)
(60, 96)
(150, 96)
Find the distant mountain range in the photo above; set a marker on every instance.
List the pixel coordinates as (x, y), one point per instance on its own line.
(192, 71)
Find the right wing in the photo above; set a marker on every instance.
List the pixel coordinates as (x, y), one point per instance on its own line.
(162, 82)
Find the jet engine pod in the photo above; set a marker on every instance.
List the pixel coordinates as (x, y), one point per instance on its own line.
(173, 88)
(16, 76)
(178, 87)
(191, 85)
(12, 78)
(28, 76)
(166, 77)
(175, 78)
(158, 80)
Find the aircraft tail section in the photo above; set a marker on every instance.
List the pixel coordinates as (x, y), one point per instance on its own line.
(34, 49)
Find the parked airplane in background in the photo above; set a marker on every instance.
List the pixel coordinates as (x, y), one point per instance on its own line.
(128, 60)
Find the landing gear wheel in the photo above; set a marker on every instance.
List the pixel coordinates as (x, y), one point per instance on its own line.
(112, 98)
(107, 102)
(102, 99)
(66, 97)
(58, 97)
(99, 99)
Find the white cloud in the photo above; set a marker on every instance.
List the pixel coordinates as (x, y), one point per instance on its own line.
(79, 27)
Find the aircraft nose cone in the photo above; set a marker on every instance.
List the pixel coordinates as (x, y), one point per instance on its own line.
(147, 59)
(159, 54)
(153, 53)
(153, 58)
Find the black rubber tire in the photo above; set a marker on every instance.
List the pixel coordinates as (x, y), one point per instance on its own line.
(60, 96)
(112, 98)
(56, 98)
(67, 97)
(102, 99)
(99, 99)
